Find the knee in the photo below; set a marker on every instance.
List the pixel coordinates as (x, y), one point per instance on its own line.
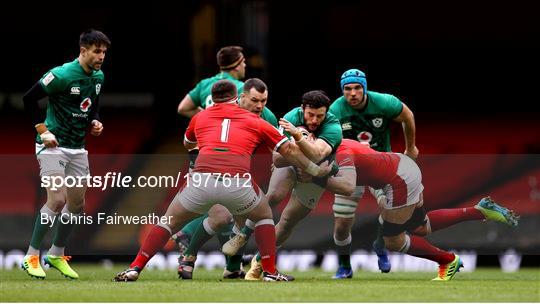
(220, 217)
(56, 202)
(393, 243)
(275, 197)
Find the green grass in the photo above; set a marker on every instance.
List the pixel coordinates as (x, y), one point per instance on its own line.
(95, 285)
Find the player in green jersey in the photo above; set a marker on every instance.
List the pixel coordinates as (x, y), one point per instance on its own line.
(366, 116)
(313, 115)
(219, 219)
(73, 90)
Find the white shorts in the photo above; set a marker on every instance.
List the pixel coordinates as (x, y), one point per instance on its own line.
(239, 197)
(65, 161)
(308, 194)
(407, 187)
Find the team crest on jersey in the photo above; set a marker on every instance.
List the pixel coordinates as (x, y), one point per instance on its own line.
(346, 126)
(364, 137)
(98, 88)
(377, 122)
(85, 104)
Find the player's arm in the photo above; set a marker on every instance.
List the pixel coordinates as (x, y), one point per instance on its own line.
(95, 120)
(406, 118)
(30, 100)
(294, 156)
(315, 151)
(190, 139)
(344, 182)
(188, 108)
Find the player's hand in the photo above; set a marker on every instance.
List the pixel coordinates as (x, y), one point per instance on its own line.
(412, 152)
(303, 176)
(324, 169)
(48, 139)
(97, 128)
(289, 127)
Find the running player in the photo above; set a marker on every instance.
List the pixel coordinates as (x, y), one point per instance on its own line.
(219, 220)
(404, 220)
(314, 117)
(73, 90)
(365, 116)
(227, 136)
(232, 66)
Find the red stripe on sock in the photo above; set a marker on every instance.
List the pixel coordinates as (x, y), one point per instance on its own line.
(265, 236)
(421, 248)
(443, 218)
(156, 239)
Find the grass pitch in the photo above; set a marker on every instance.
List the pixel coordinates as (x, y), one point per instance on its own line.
(95, 285)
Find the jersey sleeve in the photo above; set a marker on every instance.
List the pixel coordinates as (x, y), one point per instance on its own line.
(331, 132)
(53, 82)
(190, 136)
(195, 94)
(345, 158)
(271, 137)
(392, 106)
(270, 117)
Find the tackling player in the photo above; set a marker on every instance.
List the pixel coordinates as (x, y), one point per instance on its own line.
(73, 90)
(227, 136)
(365, 116)
(404, 220)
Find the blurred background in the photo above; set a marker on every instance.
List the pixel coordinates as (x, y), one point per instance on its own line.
(469, 72)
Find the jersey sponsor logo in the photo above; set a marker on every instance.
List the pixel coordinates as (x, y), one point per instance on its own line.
(98, 88)
(364, 137)
(75, 91)
(377, 122)
(85, 104)
(79, 115)
(346, 126)
(47, 79)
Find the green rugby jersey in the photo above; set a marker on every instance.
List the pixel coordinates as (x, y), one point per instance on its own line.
(269, 117)
(202, 93)
(71, 94)
(371, 124)
(329, 130)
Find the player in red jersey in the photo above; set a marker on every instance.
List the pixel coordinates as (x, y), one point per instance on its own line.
(227, 136)
(404, 220)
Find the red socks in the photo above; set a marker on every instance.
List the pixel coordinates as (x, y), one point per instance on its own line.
(421, 248)
(265, 236)
(442, 218)
(156, 239)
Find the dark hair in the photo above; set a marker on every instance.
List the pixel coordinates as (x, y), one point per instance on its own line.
(256, 83)
(93, 37)
(223, 91)
(229, 57)
(315, 99)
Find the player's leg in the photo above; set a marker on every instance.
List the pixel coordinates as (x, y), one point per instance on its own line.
(265, 237)
(52, 168)
(78, 170)
(378, 246)
(218, 218)
(188, 204)
(281, 183)
(397, 221)
(183, 237)
(344, 211)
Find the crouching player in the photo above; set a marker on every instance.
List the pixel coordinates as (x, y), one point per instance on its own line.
(405, 222)
(227, 136)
